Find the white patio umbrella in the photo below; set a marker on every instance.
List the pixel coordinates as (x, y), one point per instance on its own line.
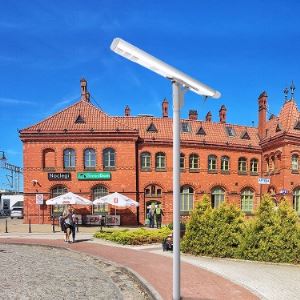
(69, 198)
(118, 200)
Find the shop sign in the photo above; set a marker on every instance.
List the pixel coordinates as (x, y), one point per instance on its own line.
(59, 176)
(264, 180)
(94, 176)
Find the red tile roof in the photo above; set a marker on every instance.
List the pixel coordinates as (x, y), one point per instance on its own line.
(94, 119)
(286, 120)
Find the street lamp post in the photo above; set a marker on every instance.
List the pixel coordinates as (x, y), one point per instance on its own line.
(180, 83)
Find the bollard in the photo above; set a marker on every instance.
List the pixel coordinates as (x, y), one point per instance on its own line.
(6, 226)
(29, 224)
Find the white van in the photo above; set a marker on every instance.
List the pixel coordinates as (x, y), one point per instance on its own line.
(16, 212)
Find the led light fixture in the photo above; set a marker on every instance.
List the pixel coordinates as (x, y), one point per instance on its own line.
(148, 61)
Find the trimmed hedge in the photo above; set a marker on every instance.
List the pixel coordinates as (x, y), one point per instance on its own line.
(134, 237)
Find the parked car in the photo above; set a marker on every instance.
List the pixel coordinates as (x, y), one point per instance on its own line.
(16, 212)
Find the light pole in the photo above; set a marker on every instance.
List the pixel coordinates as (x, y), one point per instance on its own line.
(180, 83)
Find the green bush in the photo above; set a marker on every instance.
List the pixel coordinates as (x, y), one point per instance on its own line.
(134, 237)
(273, 235)
(215, 232)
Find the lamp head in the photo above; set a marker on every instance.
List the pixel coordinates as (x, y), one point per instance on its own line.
(154, 64)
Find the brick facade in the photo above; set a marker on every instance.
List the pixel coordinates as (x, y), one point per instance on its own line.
(83, 126)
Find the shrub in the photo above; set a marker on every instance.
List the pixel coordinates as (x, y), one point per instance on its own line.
(273, 235)
(215, 232)
(134, 237)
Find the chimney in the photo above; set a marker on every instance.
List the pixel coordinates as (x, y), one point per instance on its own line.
(127, 111)
(262, 112)
(165, 106)
(193, 114)
(222, 114)
(85, 96)
(208, 117)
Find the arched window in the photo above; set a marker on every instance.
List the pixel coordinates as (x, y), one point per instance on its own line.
(145, 161)
(89, 158)
(254, 165)
(296, 200)
(247, 200)
(295, 162)
(48, 159)
(217, 197)
(225, 163)
(194, 162)
(182, 161)
(98, 192)
(153, 191)
(58, 190)
(69, 158)
(109, 157)
(160, 161)
(272, 163)
(187, 199)
(242, 165)
(212, 163)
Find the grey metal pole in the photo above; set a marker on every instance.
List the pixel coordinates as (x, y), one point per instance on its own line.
(177, 97)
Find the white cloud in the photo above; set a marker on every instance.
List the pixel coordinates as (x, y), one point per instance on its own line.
(12, 101)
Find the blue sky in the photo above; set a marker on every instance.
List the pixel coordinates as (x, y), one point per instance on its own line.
(240, 48)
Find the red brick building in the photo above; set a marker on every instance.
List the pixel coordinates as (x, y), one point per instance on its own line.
(63, 153)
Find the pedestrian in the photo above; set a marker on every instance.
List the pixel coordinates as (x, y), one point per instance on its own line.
(68, 221)
(74, 219)
(61, 221)
(158, 215)
(151, 216)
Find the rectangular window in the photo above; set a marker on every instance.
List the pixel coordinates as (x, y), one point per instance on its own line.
(185, 127)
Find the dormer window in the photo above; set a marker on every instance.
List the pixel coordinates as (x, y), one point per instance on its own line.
(245, 136)
(185, 127)
(201, 131)
(230, 131)
(278, 127)
(79, 120)
(151, 128)
(297, 126)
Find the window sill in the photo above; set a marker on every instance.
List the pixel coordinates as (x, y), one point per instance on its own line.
(160, 170)
(295, 172)
(242, 173)
(225, 172)
(146, 170)
(70, 169)
(109, 168)
(90, 169)
(185, 213)
(212, 172)
(194, 170)
(254, 173)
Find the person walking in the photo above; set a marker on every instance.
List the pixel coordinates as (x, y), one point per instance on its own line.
(151, 216)
(158, 215)
(67, 215)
